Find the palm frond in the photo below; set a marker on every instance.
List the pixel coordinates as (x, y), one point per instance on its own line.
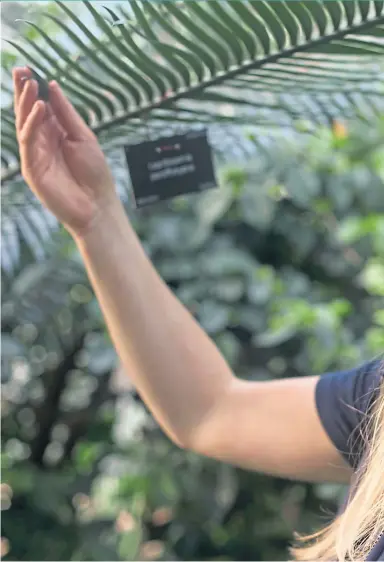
(51, 300)
(151, 68)
(26, 229)
(158, 59)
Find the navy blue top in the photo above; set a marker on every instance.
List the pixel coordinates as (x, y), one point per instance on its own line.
(343, 401)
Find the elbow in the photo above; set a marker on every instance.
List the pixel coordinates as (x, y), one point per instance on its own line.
(179, 439)
(208, 435)
(184, 442)
(194, 442)
(180, 442)
(201, 441)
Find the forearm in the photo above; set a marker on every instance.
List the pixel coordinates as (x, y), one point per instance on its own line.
(174, 365)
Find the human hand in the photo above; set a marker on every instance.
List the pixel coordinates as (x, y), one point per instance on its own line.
(61, 159)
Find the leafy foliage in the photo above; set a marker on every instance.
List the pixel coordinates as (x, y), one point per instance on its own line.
(165, 65)
(291, 288)
(283, 265)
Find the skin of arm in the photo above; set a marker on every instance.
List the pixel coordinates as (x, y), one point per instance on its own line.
(271, 427)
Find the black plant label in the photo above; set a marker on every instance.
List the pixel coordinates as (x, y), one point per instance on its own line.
(170, 166)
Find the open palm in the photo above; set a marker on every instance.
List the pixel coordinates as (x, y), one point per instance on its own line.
(61, 159)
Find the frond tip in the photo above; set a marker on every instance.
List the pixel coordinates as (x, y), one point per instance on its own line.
(274, 62)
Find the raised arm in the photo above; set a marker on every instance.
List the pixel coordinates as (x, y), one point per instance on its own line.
(270, 427)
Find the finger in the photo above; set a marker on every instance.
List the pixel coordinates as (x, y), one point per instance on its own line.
(66, 114)
(20, 76)
(28, 133)
(26, 103)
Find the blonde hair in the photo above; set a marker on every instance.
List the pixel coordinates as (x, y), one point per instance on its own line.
(353, 534)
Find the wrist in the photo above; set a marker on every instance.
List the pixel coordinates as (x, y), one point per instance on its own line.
(105, 218)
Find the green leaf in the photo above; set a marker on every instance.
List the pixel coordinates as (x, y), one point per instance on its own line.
(372, 277)
(375, 340)
(257, 206)
(228, 290)
(129, 545)
(378, 317)
(212, 205)
(273, 338)
(213, 316)
(229, 346)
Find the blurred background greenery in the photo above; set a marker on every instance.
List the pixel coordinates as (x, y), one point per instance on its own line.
(283, 266)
